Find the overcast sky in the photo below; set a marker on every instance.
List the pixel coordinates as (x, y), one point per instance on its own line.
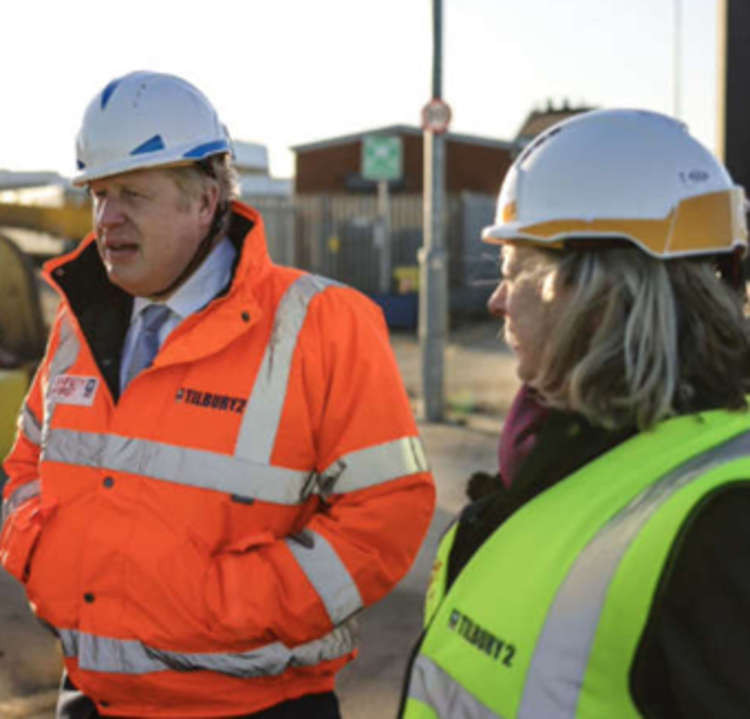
(286, 72)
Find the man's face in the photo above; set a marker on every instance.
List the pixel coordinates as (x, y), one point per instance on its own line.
(147, 231)
(530, 300)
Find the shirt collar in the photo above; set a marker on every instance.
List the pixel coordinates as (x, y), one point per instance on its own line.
(211, 277)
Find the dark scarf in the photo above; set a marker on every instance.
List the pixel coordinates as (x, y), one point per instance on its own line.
(538, 447)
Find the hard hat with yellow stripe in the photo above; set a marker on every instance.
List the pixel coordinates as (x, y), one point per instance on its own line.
(621, 175)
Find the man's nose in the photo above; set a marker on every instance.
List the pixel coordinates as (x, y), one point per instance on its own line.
(496, 302)
(107, 213)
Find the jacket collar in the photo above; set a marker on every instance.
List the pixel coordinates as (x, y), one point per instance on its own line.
(82, 268)
(80, 278)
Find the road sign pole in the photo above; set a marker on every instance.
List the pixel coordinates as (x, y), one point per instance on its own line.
(437, 48)
(433, 280)
(384, 236)
(433, 276)
(382, 161)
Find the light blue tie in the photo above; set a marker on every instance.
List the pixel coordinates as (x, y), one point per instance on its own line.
(147, 343)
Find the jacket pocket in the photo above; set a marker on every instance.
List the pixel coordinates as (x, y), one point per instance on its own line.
(165, 595)
(20, 536)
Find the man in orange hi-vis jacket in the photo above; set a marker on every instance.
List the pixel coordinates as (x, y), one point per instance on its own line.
(216, 465)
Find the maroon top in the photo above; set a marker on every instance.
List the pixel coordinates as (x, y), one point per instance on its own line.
(520, 432)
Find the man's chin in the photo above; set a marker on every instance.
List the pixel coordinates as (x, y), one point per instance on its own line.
(129, 285)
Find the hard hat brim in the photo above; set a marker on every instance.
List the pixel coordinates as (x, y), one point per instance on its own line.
(166, 158)
(705, 224)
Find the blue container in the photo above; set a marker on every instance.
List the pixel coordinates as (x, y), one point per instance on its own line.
(401, 311)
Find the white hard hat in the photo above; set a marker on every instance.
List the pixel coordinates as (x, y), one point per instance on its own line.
(621, 174)
(147, 119)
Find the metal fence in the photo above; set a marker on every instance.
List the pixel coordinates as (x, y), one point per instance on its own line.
(336, 236)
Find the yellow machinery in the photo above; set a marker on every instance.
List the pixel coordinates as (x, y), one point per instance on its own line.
(22, 335)
(68, 221)
(13, 384)
(22, 329)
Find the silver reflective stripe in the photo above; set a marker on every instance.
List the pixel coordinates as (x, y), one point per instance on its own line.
(263, 412)
(434, 687)
(170, 463)
(328, 575)
(561, 655)
(383, 462)
(19, 496)
(65, 355)
(222, 472)
(128, 656)
(67, 349)
(30, 425)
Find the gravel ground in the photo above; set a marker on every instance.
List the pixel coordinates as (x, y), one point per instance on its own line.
(478, 373)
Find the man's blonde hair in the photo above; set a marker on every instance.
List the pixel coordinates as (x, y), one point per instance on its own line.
(192, 180)
(643, 339)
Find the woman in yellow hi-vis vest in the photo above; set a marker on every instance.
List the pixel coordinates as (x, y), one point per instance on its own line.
(607, 576)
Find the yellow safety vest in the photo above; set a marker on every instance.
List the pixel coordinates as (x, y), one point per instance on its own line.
(545, 619)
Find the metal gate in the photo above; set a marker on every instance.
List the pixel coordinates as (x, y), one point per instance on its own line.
(335, 236)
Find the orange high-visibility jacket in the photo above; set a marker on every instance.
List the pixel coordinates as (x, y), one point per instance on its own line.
(201, 543)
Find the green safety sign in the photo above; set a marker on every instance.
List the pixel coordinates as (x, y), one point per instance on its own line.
(381, 157)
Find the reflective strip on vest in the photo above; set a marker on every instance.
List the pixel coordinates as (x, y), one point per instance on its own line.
(263, 411)
(383, 461)
(128, 656)
(434, 687)
(19, 496)
(327, 573)
(30, 425)
(558, 665)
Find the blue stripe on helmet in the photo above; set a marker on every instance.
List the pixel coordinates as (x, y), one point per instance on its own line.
(151, 145)
(107, 92)
(208, 148)
(80, 164)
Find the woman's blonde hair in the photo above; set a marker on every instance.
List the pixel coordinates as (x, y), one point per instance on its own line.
(642, 339)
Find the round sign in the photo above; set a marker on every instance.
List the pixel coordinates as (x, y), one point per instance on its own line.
(436, 116)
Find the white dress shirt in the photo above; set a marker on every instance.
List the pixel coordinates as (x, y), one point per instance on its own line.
(211, 277)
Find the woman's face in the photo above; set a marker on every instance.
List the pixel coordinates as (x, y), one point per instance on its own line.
(530, 300)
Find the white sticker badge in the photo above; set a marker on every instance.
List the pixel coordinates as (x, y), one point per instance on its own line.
(70, 389)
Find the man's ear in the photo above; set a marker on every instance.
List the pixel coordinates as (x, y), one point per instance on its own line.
(208, 201)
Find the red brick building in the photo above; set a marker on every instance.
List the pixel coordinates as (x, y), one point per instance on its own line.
(475, 164)
(537, 121)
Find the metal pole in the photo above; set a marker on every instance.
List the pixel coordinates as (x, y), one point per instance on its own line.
(437, 48)
(433, 285)
(677, 61)
(722, 66)
(383, 237)
(735, 118)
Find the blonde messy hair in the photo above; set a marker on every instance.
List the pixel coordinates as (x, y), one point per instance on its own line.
(193, 179)
(643, 339)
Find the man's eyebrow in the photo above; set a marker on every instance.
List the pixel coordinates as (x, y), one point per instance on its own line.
(133, 186)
